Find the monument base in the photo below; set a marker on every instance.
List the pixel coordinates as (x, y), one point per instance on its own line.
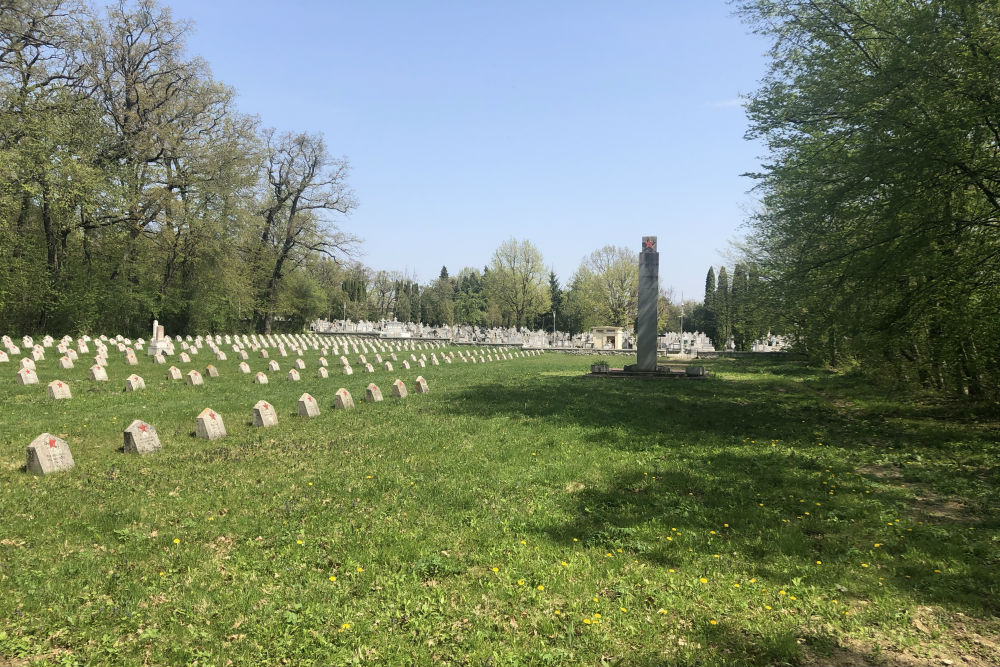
(633, 371)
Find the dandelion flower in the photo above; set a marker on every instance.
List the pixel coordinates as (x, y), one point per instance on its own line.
(587, 621)
(703, 580)
(361, 569)
(520, 582)
(819, 562)
(177, 540)
(496, 569)
(540, 587)
(782, 593)
(714, 622)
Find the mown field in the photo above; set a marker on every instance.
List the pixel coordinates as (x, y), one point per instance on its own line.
(519, 513)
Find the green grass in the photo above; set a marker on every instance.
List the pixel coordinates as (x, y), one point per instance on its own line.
(518, 514)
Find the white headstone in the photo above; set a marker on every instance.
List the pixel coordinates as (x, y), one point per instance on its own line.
(398, 389)
(260, 378)
(421, 387)
(27, 376)
(140, 438)
(273, 366)
(134, 383)
(342, 399)
(48, 454)
(293, 375)
(244, 367)
(98, 373)
(209, 425)
(372, 393)
(57, 389)
(322, 372)
(264, 414)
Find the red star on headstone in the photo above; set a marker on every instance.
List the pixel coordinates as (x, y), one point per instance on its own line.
(310, 398)
(59, 384)
(27, 371)
(52, 442)
(266, 406)
(143, 427)
(212, 415)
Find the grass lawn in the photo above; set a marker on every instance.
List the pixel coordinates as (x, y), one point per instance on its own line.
(517, 514)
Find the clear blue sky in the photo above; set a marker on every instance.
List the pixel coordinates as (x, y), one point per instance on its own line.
(571, 124)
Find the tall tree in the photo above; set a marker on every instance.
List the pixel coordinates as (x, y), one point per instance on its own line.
(517, 281)
(722, 310)
(613, 278)
(708, 319)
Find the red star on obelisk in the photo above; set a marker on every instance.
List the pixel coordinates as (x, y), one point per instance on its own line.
(649, 243)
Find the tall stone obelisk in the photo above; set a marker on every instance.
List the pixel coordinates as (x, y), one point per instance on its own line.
(649, 289)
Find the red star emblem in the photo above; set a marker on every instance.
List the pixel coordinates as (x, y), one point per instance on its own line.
(59, 384)
(212, 415)
(267, 407)
(309, 398)
(649, 243)
(142, 427)
(52, 442)
(27, 371)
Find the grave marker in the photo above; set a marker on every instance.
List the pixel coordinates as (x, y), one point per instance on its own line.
(130, 358)
(211, 371)
(209, 425)
(342, 399)
(260, 378)
(48, 454)
(98, 374)
(293, 375)
(273, 366)
(140, 438)
(174, 373)
(398, 389)
(348, 370)
(421, 385)
(322, 373)
(65, 363)
(194, 378)
(57, 389)
(308, 407)
(27, 376)
(372, 393)
(264, 414)
(134, 383)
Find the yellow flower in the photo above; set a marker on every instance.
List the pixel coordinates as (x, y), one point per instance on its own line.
(555, 611)
(819, 562)
(703, 580)
(782, 593)
(298, 541)
(587, 621)
(864, 565)
(736, 585)
(361, 569)
(877, 545)
(725, 525)
(524, 541)
(177, 540)
(597, 615)
(670, 570)
(753, 581)
(575, 540)
(670, 539)
(767, 606)
(520, 582)
(211, 518)
(345, 626)
(714, 622)
(595, 599)
(623, 608)
(711, 532)
(496, 569)
(661, 611)
(540, 587)
(333, 578)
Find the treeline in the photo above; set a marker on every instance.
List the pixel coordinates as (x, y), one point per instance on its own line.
(514, 290)
(131, 188)
(734, 309)
(879, 234)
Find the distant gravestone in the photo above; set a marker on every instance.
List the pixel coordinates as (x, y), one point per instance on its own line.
(293, 375)
(244, 367)
(393, 357)
(134, 383)
(57, 389)
(421, 385)
(398, 389)
(243, 355)
(48, 454)
(194, 378)
(372, 393)
(369, 368)
(211, 371)
(344, 361)
(158, 358)
(322, 373)
(421, 363)
(28, 364)
(260, 378)
(348, 370)
(388, 365)
(65, 363)
(342, 399)
(27, 376)
(209, 425)
(220, 356)
(322, 362)
(308, 406)
(300, 364)
(130, 358)
(264, 414)
(4, 358)
(263, 353)
(273, 366)
(38, 354)
(185, 359)
(174, 373)
(98, 373)
(140, 438)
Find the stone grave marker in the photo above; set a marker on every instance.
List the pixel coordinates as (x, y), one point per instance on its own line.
(372, 393)
(348, 370)
(28, 363)
(4, 358)
(134, 383)
(211, 371)
(398, 389)
(273, 366)
(342, 399)
(322, 362)
(65, 363)
(130, 358)
(260, 378)
(421, 363)
(388, 365)
(57, 389)
(308, 407)
(159, 358)
(344, 361)
(37, 354)
(378, 358)
(322, 373)
(369, 368)
(174, 373)
(48, 454)
(244, 367)
(263, 353)
(185, 358)
(194, 378)
(406, 364)
(209, 425)
(220, 356)
(393, 357)
(300, 364)
(293, 375)
(140, 438)
(264, 414)
(421, 385)
(98, 374)
(26, 376)
(243, 355)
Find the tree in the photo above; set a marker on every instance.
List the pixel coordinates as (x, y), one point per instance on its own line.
(881, 197)
(722, 311)
(301, 184)
(517, 281)
(709, 324)
(613, 277)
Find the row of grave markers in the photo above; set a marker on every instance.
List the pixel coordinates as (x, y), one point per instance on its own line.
(48, 453)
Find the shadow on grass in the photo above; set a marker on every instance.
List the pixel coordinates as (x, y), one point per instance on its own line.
(726, 478)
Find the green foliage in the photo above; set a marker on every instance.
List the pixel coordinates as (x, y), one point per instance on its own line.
(878, 234)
